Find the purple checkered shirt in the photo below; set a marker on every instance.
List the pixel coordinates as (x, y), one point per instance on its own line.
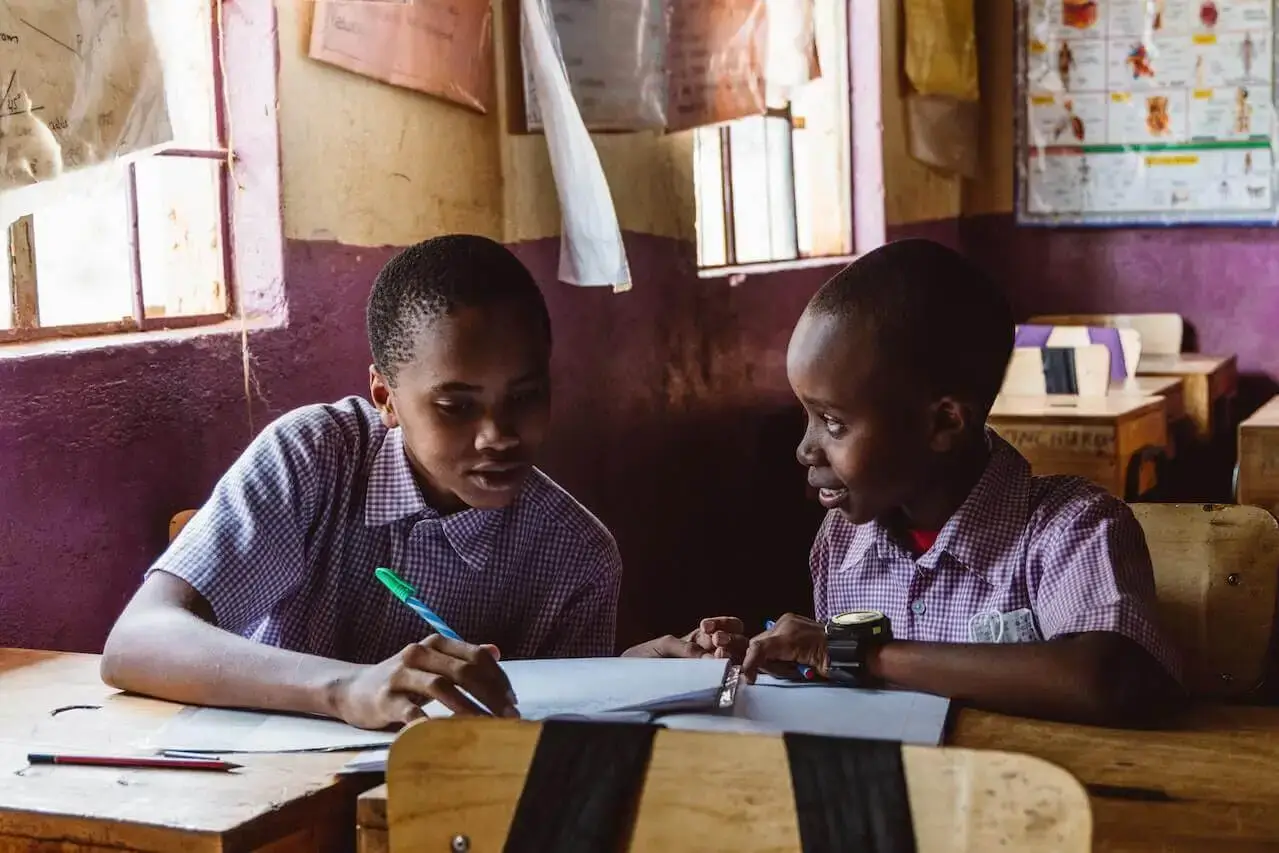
(286, 546)
(1058, 546)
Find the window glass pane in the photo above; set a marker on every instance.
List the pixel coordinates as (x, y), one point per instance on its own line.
(708, 180)
(180, 236)
(750, 190)
(183, 31)
(83, 268)
(781, 189)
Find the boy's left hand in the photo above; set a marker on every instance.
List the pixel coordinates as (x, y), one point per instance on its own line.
(793, 640)
(717, 637)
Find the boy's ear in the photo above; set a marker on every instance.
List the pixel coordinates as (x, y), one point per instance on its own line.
(380, 394)
(951, 420)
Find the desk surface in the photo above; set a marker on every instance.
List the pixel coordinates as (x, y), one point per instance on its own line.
(1266, 416)
(56, 702)
(1183, 364)
(1208, 781)
(1068, 407)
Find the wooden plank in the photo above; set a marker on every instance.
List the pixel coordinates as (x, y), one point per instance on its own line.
(1209, 780)
(371, 834)
(277, 803)
(960, 800)
(1259, 458)
(22, 264)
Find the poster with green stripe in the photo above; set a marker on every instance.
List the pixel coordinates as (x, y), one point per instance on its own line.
(1146, 112)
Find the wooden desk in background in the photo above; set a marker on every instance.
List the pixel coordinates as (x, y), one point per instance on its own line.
(55, 702)
(1211, 782)
(1211, 382)
(1259, 458)
(1096, 438)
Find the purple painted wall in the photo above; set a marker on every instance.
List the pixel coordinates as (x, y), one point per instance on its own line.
(1220, 280)
(673, 424)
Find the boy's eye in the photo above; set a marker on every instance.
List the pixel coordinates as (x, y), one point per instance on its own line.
(455, 408)
(833, 426)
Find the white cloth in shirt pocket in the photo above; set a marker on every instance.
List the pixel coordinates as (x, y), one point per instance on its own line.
(1015, 626)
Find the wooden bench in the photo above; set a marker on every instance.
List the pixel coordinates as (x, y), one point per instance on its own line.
(1211, 383)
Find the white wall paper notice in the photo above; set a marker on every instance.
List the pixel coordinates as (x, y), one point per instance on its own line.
(591, 250)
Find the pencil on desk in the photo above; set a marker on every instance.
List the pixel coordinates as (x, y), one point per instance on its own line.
(132, 762)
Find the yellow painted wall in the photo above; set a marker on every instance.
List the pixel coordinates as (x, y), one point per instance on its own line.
(369, 164)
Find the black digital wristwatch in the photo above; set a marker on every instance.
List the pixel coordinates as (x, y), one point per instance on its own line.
(849, 638)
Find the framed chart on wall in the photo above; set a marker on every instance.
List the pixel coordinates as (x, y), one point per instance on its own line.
(1146, 112)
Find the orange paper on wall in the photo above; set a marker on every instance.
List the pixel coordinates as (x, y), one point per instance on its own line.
(440, 47)
(716, 53)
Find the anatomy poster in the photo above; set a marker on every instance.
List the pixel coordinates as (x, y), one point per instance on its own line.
(1146, 111)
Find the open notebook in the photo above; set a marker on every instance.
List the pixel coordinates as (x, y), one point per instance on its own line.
(546, 688)
(769, 705)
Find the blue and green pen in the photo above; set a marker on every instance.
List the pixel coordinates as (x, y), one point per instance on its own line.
(807, 673)
(405, 592)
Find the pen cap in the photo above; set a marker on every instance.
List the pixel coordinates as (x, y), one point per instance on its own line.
(398, 588)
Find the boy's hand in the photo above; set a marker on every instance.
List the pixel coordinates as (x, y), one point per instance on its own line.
(793, 640)
(394, 690)
(717, 637)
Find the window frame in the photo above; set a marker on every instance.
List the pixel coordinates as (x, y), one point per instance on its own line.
(24, 279)
(866, 172)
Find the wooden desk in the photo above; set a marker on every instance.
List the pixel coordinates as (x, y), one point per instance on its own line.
(1211, 382)
(1092, 437)
(1259, 458)
(280, 803)
(1208, 782)
(1171, 388)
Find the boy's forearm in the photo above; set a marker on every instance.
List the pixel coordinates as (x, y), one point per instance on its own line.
(200, 664)
(1088, 679)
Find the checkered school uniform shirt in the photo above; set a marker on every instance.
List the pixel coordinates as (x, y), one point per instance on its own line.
(286, 547)
(1058, 546)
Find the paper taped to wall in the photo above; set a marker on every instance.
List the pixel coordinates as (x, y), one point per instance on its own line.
(440, 47)
(82, 84)
(591, 249)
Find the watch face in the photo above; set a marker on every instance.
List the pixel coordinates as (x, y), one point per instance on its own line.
(857, 617)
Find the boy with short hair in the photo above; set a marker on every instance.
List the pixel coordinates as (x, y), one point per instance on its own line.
(1023, 594)
(267, 598)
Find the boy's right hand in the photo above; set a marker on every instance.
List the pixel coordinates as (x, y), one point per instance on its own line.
(394, 691)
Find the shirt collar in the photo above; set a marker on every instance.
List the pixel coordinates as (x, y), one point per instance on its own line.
(393, 495)
(985, 533)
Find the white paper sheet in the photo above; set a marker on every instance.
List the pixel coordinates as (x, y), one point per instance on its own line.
(591, 250)
(217, 730)
(772, 705)
(547, 688)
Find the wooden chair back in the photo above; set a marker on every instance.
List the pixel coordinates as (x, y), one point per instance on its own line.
(1161, 334)
(1216, 578)
(462, 778)
(1025, 375)
(178, 522)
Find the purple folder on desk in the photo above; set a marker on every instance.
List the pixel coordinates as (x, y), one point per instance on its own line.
(1036, 337)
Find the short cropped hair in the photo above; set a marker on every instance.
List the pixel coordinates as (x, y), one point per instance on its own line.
(930, 315)
(434, 279)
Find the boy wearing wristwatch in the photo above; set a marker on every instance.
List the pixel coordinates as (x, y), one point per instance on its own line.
(1021, 594)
